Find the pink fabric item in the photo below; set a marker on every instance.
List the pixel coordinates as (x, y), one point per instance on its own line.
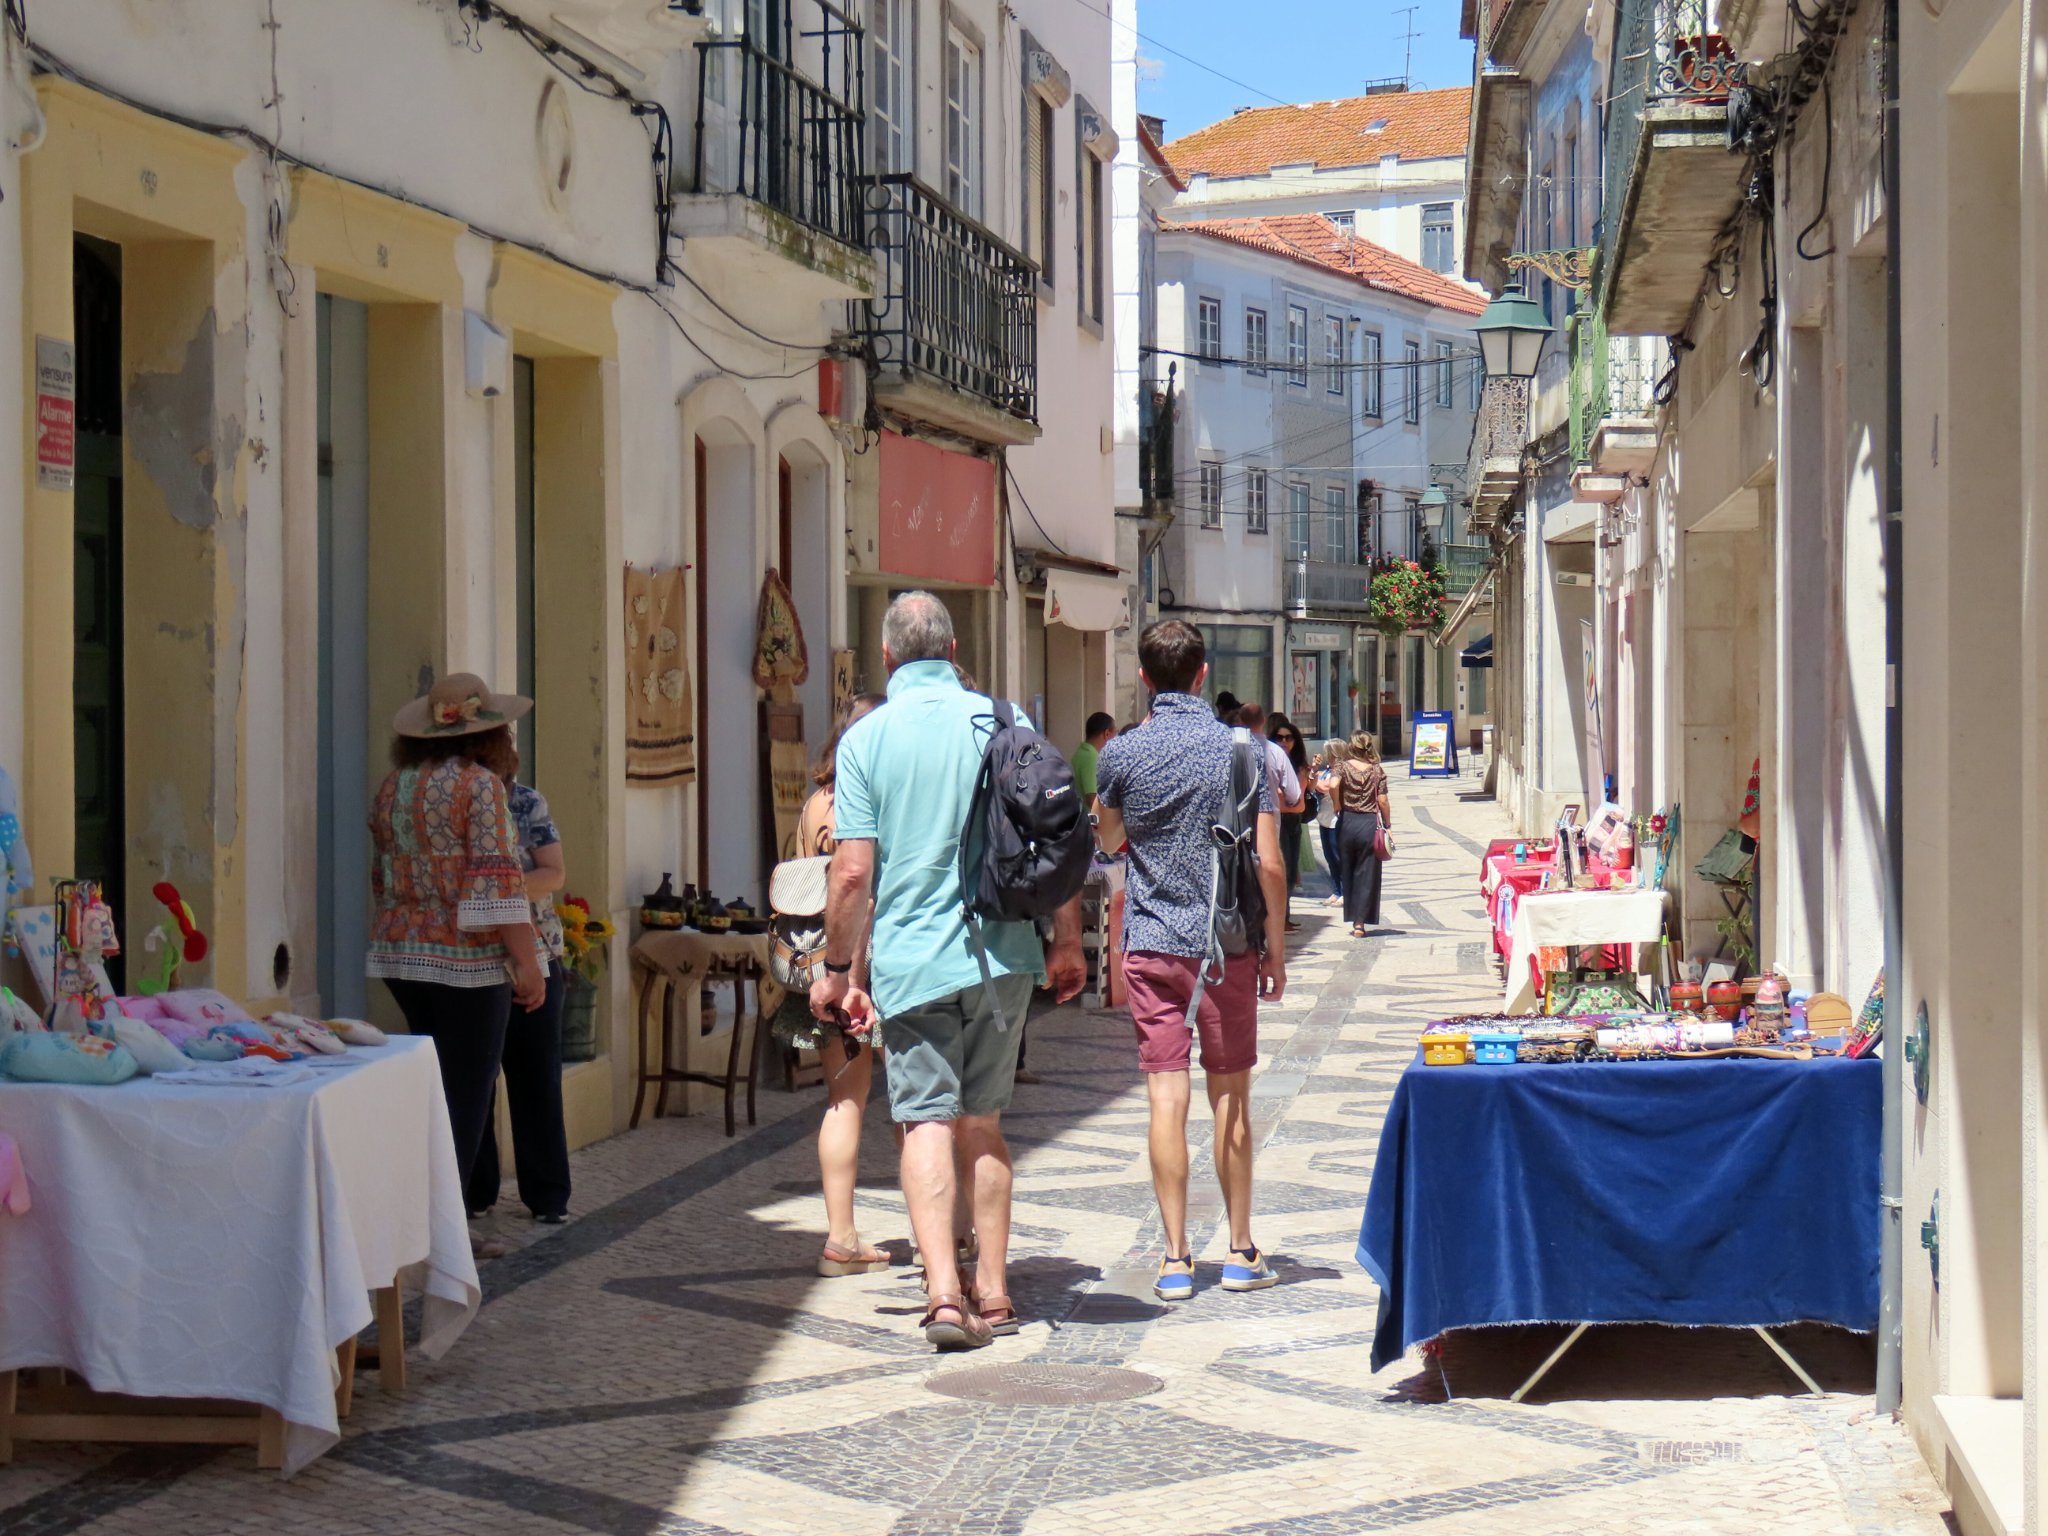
(203, 1006)
(149, 1009)
(13, 1181)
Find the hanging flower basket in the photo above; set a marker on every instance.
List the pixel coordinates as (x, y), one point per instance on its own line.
(1405, 595)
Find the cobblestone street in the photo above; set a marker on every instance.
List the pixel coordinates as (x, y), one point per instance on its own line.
(669, 1363)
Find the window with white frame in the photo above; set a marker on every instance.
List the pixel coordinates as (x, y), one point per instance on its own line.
(1209, 327)
(891, 84)
(1333, 353)
(1344, 218)
(1297, 520)
(963, 122)
(1439, 225)
(1254, 340)
(1211, 495)
(1038, 188)
(1411, 382)
(1369, 374)
(1444, 395)
(1254, 500)
(1297, 344)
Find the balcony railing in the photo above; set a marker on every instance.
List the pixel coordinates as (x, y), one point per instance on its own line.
(1500, 431)
(1155, 439)
(1612, 378)
(957, 304)
(771, 133)
(1325, 584)
(1464, 564)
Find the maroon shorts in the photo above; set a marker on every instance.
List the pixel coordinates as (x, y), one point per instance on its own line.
(1160, 986)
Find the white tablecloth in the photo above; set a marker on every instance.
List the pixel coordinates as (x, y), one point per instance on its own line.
(1545, 919)
(222, 1242)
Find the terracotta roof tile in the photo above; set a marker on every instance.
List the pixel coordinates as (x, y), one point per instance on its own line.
(1312, 239)
(1419, 125)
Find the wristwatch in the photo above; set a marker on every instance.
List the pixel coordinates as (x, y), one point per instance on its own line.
(837, 970)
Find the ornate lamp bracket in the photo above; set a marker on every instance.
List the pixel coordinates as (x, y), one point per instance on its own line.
(1568, 268)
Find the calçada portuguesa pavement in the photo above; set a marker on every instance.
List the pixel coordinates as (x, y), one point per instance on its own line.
(668, 1362)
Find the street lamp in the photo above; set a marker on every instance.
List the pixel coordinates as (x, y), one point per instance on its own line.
(1511, 336)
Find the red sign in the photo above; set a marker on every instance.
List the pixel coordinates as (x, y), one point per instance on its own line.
(937, 513)
(56, 414)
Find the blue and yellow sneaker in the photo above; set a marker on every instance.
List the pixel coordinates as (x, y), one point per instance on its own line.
(1247, 1270)
(1176, 1280)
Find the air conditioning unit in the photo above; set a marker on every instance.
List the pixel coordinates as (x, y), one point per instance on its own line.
(1574, 579)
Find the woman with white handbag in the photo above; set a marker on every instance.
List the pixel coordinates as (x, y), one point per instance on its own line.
(796, 900)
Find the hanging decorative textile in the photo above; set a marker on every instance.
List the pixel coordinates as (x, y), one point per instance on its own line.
(661, 712)
(780, 656)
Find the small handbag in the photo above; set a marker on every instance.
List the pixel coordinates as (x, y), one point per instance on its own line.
(1382, 843)
(796, 927)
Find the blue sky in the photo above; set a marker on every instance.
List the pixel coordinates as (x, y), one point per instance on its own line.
(1323, 49)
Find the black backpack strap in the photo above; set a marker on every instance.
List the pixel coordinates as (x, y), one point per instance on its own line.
(977, 818)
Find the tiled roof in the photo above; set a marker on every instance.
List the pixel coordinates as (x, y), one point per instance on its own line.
(1314, 240)
(1419, 125)
(1158, 157)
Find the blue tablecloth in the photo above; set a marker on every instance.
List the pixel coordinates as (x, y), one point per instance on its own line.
(1728, 1192)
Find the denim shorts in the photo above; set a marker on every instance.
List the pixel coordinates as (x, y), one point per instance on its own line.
(947, 1058)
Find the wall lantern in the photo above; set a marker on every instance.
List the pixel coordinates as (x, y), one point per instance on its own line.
(1511, 336)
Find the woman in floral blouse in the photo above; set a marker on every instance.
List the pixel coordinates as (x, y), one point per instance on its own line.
(453, 934)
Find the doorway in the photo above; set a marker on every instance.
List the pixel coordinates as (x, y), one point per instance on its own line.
(99, 703)
(346, 768)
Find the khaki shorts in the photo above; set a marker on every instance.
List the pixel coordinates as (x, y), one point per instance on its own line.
(947, 1058)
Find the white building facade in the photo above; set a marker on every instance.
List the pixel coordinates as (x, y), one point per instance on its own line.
(1325, 386)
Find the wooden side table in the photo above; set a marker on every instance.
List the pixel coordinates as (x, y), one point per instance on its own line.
(665, 964)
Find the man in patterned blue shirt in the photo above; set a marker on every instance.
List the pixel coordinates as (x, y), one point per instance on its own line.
(1164, 786)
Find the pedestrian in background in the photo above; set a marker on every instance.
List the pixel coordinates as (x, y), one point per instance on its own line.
(1100, 730)
(1324, 774)
(1161, 790)
(849, 1069)
(1281, 732)
(1364, 809)
(1285, 783)
(905, 781)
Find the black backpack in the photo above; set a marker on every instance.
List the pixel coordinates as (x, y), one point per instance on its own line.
(1237, 901)
(1025, 849)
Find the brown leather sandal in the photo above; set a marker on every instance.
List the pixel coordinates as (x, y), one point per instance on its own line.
(999, 1314)
(970, 1332)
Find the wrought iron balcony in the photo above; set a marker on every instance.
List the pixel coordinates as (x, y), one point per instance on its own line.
(1500, 432)
(1155, 439)
(1613, 393)
(1670, 182)
(956, 320)
(774, 133)
(1464, 563)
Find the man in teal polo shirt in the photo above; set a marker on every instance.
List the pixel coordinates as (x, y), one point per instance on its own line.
(905, 778)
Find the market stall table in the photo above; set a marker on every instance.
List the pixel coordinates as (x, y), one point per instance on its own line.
(1561, 919)
(1725, 1192)
(221, 1242)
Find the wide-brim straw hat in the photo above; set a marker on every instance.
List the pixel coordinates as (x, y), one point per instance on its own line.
(460, 704)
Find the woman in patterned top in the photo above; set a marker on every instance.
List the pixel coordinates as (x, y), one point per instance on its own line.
(453, 934)
(533, 1041)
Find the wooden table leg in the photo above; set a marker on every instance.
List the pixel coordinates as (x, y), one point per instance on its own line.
(732, 1055)
(646, 991)
(754, 1049)
(390, 1339)
(270, 1440)
(7, 1394)
(666, 1022)
(345, 1390)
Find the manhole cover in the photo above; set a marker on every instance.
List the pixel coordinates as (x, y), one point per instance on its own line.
(1046, 1385)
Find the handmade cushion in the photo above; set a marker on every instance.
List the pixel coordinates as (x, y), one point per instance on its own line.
(53, 1058)
(152, 1052)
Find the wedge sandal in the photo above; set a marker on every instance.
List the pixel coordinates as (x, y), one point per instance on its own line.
(835, 1261)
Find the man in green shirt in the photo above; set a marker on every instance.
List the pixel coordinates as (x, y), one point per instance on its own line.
(1101, 728)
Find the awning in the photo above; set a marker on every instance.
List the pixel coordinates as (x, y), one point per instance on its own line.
(1086, 600)
(1478, 654)
(1466, 604)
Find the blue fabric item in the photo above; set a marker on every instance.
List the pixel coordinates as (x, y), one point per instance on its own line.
(1731, 1192)
(1173, 1285)
(1255, 1276)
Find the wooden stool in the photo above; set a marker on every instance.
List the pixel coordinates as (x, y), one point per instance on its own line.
(648, 979)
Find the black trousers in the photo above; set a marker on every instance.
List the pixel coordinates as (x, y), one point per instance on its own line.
(1355, 831)
(1290, 846)
(533, 1096)
(467, 1026)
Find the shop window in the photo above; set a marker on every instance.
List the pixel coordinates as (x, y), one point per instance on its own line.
(1240, 661)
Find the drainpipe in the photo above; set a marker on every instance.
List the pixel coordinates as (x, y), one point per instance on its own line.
(1891, 1250)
